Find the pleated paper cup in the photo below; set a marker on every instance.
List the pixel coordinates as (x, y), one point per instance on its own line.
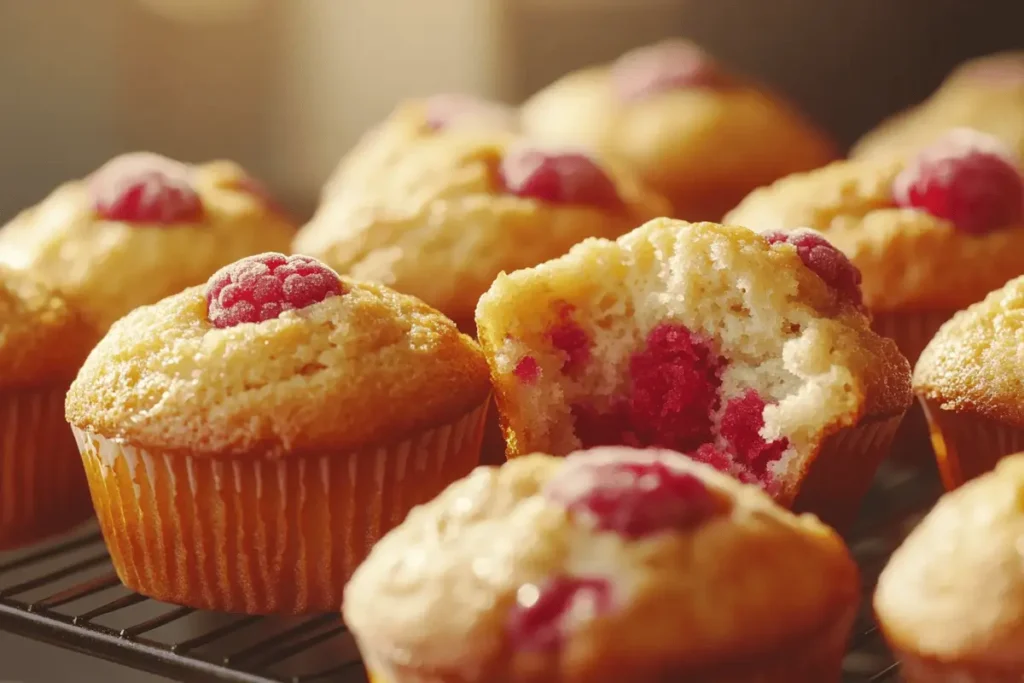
(968, 445)
(844, 469)
(263, 536)
(42, 484)
(911, 330)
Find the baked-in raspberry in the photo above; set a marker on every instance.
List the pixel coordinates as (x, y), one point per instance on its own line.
(527, 370)
(145, 188)
(740, 428)
(968, 178)
(447, 110)
(671, 65)
(568, 337)
(261, 287)
(557, 177)
(544, 615)
(827, 262)
(634, 499)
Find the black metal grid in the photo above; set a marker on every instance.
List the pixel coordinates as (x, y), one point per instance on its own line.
(66, 593)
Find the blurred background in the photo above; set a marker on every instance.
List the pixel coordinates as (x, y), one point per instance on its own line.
(286, 86)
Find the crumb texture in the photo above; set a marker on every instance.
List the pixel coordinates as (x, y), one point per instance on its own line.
(701, 338)
(514, 583)
(370, 366)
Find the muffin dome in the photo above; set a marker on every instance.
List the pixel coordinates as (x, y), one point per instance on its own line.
(986, 93)
(951, 600)
(140, 228)
(458, 209)
(699, 135)
(748, 353)
(608, 565)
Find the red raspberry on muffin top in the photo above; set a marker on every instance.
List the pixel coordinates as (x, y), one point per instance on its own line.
(261, 287)
(663, 67)
(827, 262)
(145, 188)
(557, 177)
(968, 178)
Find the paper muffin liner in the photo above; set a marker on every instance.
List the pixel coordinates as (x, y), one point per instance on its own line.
(844, 469)
(916, 669)
(968, 445)
(42, 484)
(818, 658)
(263, 536)
(911, 331)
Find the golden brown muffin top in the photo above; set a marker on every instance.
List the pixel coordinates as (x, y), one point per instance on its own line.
(689, 142)
(42, 338)
(973, 363)
(365, 367)
(701, 572)
(109, 267)
(954, 591)
(412, 120)
(986, 93)
(909, 259)
(440, 223)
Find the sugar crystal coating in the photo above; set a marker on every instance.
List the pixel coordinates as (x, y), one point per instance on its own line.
(545, 614)
(557, 177)
(827, 262)
(634, 499)
(968, 178)
(145, 188)
(261, 287)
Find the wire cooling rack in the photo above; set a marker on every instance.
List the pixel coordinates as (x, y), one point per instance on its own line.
(66, 593)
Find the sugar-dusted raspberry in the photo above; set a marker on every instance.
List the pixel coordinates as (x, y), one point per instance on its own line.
(740, 428)
(527, 370)
(968, 178)
(455, 110)
(671, 65)
(261, 287)
(145, 188)
(634, 499)
(568, 337)
(545, 615)
(827, 262)
(557, 177)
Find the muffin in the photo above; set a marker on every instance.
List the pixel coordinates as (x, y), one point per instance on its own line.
(700, 135)
(606, 566)
(43, 341)
(930, 235)
(413, 120)
(140, 228)
(951, 600)
(969, 381)
(986, 93)
(247, 441)
(747, 353)
(458, 209)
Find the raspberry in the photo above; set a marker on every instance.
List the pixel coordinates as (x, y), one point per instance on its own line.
(446, 111)
(634, 499)
(671, 65)
(741, 427)
(261, 287)
(557, 178)
(827, 262)
(527, 370)
(544, 615)
(1000, 70)
(568, 337)
(145, 188)
(968, 178)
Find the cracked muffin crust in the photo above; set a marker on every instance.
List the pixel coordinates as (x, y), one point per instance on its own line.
(304, 413)
(608, 565)
(140, 228)
(458, 209)
(695, 132)
(746, 352)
